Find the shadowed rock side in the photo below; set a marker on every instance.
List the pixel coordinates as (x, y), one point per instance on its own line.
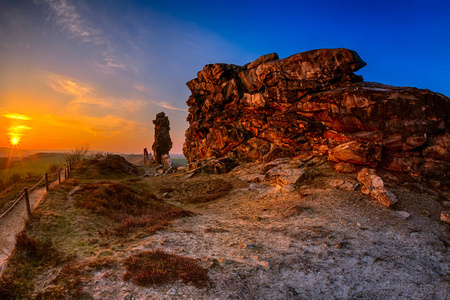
(313, 102)
(163, 143)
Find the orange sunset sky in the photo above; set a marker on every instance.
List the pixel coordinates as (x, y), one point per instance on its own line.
(79, 71)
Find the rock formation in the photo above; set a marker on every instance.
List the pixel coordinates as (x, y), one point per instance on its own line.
(313, 102)
(163, 142)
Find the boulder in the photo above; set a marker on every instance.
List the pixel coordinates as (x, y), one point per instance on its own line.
(313, 103)
(166, 161)
(373, 185)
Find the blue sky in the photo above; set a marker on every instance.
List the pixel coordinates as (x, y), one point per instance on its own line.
(100, 70)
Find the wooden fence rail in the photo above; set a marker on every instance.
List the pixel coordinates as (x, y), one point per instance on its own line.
(26, 191)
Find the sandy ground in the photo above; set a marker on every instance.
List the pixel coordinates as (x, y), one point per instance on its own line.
(14, 222)
(316, 242)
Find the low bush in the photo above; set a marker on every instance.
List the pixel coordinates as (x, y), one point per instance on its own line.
(29, 255)
(129, 209)
(158, 267)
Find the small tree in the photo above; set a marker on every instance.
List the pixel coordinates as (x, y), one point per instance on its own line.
(77, 154)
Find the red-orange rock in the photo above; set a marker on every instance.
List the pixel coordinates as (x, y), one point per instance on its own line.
(312, 102)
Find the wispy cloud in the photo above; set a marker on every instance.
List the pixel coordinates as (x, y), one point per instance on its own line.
(108, 125)
(67, 85)
(15, 116)
(80, 27)
(168, 106)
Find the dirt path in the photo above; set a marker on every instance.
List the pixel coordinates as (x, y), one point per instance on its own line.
(14, 221)
(319, 243)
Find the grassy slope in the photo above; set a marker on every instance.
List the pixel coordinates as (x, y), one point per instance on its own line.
(36, 165)
(89, 222)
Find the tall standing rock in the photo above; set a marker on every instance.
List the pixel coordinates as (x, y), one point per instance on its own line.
(163, 142)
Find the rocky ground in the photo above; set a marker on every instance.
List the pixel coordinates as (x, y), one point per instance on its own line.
(322, 239)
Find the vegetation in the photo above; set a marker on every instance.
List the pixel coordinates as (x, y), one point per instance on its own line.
(77, 154)
(129, 209)
(84, 225)
(158, 267)
(36, 164)
(29, 257)
(9, 192)
(199, 190)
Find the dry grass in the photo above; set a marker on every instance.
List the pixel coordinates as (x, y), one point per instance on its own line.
(158, 267)
(199, 190)
(29, 256)
(111, 167)
(129, 209)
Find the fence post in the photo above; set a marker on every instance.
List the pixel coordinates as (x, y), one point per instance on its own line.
(46, 182)
(27, 202)
(59, 176)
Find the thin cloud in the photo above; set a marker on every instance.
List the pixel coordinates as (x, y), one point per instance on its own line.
(15, 116)
(168, 106)
(108, 125)
(79, 27)
(67, 85)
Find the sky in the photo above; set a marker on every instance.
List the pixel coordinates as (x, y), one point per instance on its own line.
(97, 72)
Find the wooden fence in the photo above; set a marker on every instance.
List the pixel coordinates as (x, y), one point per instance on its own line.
(26, 191)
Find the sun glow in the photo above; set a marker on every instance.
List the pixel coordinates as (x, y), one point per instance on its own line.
(15, 140)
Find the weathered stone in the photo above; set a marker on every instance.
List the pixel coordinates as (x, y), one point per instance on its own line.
(313, 103)
(403, 214)
(213, 165)
(163, 142)
(262, 59)
(354, 153)
(445, 217)
(283, 176)
(373, 185)
(166, 161)
(344, 167)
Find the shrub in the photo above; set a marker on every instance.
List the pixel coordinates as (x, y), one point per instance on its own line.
(131, 209)
(15, 178)
(158, 267)
(28, 256)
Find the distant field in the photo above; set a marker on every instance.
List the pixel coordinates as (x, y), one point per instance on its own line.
(37, 164)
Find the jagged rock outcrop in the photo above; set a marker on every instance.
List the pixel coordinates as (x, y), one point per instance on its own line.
(313, 102)
(163, 142)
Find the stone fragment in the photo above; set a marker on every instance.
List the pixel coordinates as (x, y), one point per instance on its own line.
(166, 161)
(344, 167)
(445, 217)
(403, 214)
(163, 142)
(285, 176)
(373, 185)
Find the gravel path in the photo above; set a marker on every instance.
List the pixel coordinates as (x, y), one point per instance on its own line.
(316, 243)
(14, 222)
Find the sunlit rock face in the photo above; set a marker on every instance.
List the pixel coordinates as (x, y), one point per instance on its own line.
(163, 143)
(313, 102)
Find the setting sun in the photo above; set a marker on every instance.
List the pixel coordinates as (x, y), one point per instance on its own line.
(14, 141)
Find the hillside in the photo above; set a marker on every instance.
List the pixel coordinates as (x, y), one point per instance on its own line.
(114, 230)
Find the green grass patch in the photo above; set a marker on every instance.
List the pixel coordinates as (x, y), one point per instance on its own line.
(10, 193)
(36, 164)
